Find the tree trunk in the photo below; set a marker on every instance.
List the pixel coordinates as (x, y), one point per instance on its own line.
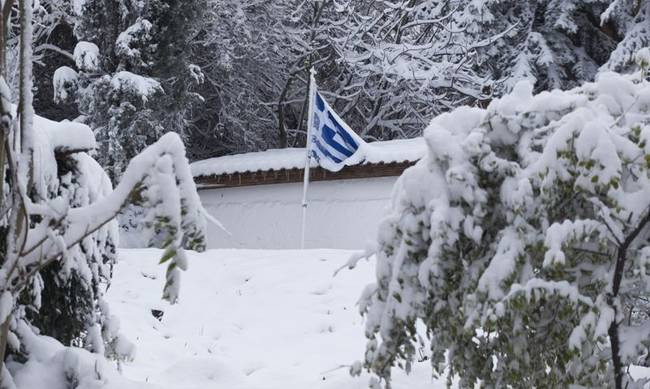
(5, 128)
(282, 131)
(613, 331)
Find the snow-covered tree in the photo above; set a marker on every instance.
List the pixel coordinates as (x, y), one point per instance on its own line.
(407, 60)
(411, 60)
(631, 21)
(132, 77)
(256, 57)
(54, 43)
(521, 242)
(59, 210)
(389, 66)
(65, 302)
(555, 44)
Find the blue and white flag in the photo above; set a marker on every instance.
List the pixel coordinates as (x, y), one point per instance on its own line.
(332, 143)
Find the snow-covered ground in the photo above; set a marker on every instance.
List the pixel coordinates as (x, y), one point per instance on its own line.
(248, 319)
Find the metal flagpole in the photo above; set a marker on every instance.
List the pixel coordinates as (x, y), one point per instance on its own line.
(310, 121)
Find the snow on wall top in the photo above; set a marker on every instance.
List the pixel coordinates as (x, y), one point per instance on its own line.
(401, 150)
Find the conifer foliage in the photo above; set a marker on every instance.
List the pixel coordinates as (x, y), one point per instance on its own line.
(132, 78)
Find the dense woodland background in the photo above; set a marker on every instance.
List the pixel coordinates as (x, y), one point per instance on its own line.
(230, 75)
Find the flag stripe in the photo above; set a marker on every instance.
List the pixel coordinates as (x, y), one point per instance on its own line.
(320, 103)
(344, 134)
(328, 137)
(325, 152)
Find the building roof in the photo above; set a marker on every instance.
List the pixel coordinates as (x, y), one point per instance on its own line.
(403, 150)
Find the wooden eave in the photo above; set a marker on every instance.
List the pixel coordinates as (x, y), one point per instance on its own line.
(283, 176)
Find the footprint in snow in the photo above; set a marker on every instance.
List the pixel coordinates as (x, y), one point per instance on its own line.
(326, 328)
(322, 290)
(151, 276)
(252, 368)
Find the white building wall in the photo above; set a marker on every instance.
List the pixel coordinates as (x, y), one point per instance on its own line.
(342, 214)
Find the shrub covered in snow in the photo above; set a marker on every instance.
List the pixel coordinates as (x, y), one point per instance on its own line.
(521, 242)
(67, 301)
(58, 232)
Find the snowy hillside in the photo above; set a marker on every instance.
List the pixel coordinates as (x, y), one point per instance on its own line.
(247, 319)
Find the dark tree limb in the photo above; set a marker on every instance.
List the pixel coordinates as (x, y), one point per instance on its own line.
(614, 338)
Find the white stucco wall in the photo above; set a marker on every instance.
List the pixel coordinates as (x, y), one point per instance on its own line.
(341, 214)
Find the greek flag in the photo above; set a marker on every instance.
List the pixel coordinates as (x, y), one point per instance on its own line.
(332, 143)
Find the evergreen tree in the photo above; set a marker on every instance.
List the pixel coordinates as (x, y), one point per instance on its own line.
(556, 44)
(133, 78)
(631, 22)
(54, 42)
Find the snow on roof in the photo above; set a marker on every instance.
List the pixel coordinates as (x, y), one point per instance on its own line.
(402, 150)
